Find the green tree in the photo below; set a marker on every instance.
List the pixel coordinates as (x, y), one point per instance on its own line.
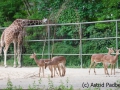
(65, 11)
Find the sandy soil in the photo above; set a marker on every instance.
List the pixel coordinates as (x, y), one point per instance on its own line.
(77, 77)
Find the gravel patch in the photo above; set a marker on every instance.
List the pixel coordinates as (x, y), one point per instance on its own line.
(76, 77)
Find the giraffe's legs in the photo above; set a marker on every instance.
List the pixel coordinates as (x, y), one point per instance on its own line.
(15, 54)
(0, 50)
(19, 48)
(19, 55)
(5, 55)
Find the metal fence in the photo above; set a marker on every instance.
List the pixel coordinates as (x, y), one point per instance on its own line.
(80, 37)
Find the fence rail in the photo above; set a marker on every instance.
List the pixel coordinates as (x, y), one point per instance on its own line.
(80, 39)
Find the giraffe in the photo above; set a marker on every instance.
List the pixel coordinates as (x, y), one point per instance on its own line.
(15, 34)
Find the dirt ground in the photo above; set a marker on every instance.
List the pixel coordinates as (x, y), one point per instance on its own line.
(77, 77)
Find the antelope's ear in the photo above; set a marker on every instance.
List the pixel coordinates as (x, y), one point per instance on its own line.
(107, 47)
(112, 48)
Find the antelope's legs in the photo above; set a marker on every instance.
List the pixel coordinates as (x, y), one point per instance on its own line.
(106, 70)
(94, 68)
(59, 70)
(43, 70)
(39, 71)
(91, 66)
(112, 67)
(54, 70)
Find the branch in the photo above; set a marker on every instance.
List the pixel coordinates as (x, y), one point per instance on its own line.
(27, 7)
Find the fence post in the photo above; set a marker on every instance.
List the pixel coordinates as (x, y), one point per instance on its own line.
(48, 28)
(80, 46)
(117, 38)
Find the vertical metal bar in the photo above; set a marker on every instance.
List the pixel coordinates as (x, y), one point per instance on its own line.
(48, 27)
(80, 46)
(117, 39)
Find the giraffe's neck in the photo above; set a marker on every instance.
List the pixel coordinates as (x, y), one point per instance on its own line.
(27, 22)
(34, 22)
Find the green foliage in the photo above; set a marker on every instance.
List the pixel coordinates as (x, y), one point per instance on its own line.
(64, 11)
(64, 48)
(62, 86)
(9, 85)
(33, 87)
(50, 84)
(36, 86)
(10, 10)
(27, 61)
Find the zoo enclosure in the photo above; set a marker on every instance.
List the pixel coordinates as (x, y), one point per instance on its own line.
(80, 39)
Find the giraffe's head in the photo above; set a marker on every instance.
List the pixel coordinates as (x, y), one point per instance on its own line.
(44, 20)
(27, 22)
